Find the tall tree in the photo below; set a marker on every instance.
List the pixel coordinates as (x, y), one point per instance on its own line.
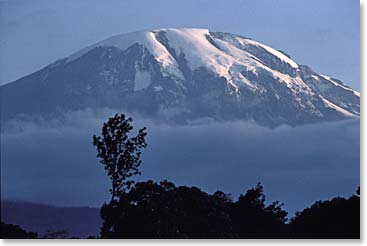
(119, 152)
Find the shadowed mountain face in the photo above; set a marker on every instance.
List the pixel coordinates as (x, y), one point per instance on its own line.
(183, 75)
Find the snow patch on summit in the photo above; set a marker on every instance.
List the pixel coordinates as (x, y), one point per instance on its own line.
(246, 61)
(247, 66)
(222, 58)
(339, 85)
(337, 108)
(226, 78)
(276, 53)
(144, 38)
(198, 51)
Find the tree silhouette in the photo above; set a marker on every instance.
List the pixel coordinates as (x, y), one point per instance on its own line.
(251, 218)
(119, 153)
(10, 231)
(162, 210)
(335, 218)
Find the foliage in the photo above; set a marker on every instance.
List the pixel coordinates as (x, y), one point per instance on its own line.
(336, 218)
(9, 231)
(251, 218)
(120, 153)
(162, 210)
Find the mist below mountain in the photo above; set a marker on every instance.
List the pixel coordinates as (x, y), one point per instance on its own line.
(54, 162)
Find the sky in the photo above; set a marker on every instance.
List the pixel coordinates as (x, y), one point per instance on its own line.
(322, 34)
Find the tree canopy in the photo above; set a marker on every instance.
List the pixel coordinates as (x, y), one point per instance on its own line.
(163, 210)
(119, 152)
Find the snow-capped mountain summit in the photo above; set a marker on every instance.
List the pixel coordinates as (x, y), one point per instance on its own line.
(180, 75)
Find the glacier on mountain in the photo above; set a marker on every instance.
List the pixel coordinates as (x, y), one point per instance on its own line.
(193, 72)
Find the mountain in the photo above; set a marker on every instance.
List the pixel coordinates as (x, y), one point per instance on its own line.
(183, 75)
(75, 221)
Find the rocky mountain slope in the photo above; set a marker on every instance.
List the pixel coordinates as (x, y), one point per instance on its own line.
(183, 75)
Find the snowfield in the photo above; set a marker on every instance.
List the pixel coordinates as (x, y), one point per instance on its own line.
(193, 73)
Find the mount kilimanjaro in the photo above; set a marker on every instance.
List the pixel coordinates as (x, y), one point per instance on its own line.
(182, 75)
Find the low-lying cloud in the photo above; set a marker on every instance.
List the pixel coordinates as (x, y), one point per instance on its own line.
(54, 161)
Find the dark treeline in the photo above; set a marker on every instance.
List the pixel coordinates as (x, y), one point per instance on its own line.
(164, 210)
(15, 232)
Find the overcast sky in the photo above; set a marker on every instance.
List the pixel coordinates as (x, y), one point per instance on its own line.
(322, 34)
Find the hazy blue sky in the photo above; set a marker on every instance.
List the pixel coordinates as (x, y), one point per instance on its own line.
(323, 34)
